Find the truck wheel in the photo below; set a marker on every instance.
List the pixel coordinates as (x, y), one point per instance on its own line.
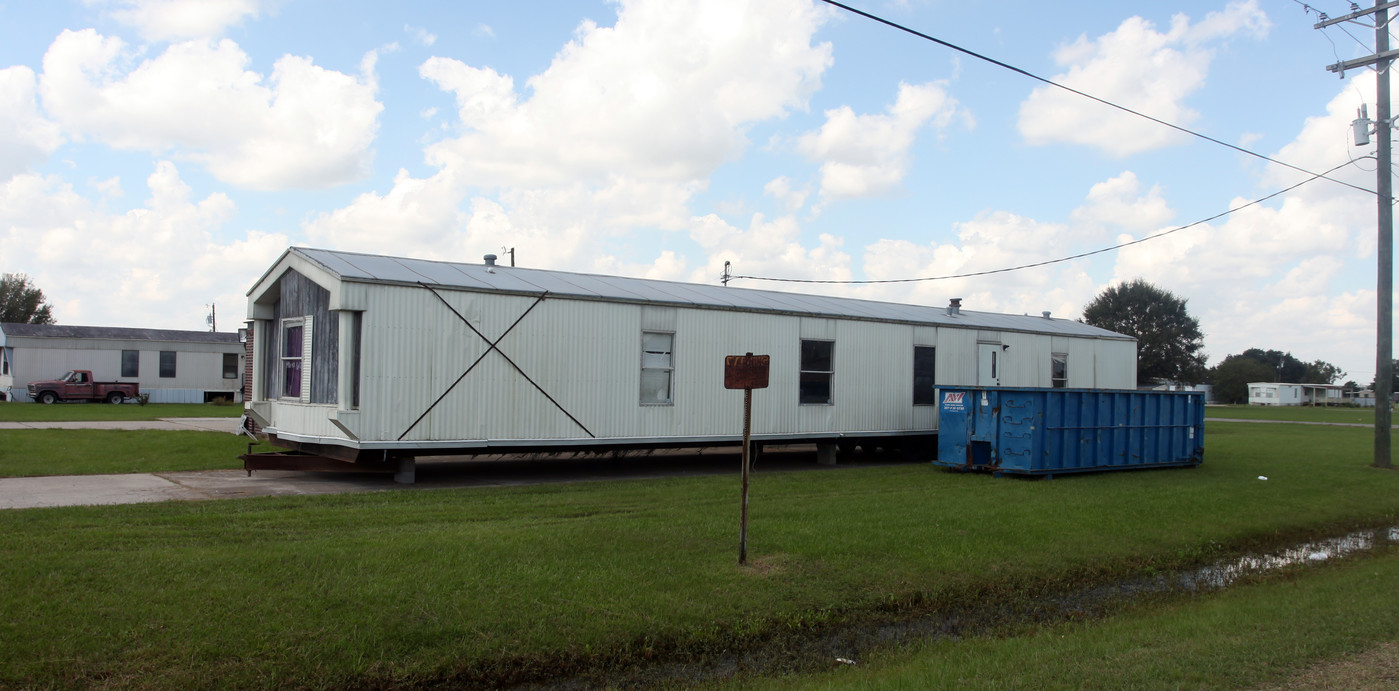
(48, 398)
(115, 398)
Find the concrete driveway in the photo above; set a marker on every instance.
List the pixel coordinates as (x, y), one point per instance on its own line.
(199, 424)
(440, 472)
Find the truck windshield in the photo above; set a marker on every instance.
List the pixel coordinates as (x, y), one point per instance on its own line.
(71, 376)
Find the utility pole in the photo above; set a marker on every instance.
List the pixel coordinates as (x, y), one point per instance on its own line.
(1384, 288)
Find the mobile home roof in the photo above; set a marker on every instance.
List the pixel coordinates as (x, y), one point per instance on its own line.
(369, 268)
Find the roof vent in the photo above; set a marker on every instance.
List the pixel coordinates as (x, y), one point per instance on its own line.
(490, 260)
(954, 306)
(1045, 313)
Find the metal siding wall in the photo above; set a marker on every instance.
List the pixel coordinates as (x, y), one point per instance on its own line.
(1026, 362)
(956, 357)
(202, 371)
(586, 355)
(1116, 364)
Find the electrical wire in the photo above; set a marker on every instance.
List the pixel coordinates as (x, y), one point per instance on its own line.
(1091, 97)
(1255, 202)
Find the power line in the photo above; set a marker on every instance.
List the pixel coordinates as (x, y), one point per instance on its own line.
(1260, 200)
(1031, 75)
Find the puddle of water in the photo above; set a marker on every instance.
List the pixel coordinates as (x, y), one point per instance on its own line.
(1224, 574)
(815, 651)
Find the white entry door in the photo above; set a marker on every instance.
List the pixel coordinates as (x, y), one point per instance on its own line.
(988, 364)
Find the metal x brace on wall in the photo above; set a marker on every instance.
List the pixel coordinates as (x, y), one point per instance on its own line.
(491, 346)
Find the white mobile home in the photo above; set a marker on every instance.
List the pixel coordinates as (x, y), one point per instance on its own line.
(1282, 393)
(171, 366)
(362, 357)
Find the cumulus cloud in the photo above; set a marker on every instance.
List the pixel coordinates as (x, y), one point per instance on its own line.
(864, 155)
(662, 94)
(26, 136)
(1139, 67)
(613, 138)
(174, 20)
(154, 266)
(303, 126)
(768, 248)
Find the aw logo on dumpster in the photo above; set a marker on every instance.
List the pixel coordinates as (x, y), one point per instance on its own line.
(955, 401)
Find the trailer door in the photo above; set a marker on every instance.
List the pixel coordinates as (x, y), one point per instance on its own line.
(988, 364)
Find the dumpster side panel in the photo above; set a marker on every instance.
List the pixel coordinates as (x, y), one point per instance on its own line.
(1049, 431)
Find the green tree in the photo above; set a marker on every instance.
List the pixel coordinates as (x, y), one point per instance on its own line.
(1169, 340)
(1322, 372)
(21, 302)
(1232, 377)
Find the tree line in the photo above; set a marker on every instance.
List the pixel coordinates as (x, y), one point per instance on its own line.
(1170, 345)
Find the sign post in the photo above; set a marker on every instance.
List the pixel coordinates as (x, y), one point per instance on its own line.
(745, 372)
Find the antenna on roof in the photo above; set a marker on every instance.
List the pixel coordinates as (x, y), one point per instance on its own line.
(725, 278)
(210, 320)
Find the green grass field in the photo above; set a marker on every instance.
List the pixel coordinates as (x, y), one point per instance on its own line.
(74, 412)
(95, 452)
(1255, 634)
(1363, 416)
(494, 585)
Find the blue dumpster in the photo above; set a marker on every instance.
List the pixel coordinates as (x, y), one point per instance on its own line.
(1051, 431)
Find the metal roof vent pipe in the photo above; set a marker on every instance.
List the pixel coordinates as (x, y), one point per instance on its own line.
(490, 260)
(954, 306)
(1045, 313)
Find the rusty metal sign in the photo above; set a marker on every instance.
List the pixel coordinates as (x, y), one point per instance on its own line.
(746, 371)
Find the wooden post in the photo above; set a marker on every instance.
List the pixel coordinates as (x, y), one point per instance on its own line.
(745, 372)
(747, 446)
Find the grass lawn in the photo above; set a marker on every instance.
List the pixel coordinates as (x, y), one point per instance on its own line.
(92, 452)
(1255, 634)
(73, 412)
(492, 585)
(1364, 416)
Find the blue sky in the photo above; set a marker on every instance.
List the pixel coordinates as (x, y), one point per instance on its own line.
(157, 155)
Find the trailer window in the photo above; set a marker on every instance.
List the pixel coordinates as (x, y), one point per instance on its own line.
(817, 373)
(167, 363)
(657, 367)
(1059, 370)
(924, 375)
(230, 365)
(292, 341)
(130, 363)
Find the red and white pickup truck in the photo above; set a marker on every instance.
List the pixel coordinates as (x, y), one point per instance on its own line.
(77, 385)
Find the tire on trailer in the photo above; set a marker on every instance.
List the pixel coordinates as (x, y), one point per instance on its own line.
(48, 398)
(115, 398)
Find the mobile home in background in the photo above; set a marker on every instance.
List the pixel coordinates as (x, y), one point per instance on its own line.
(171, 366)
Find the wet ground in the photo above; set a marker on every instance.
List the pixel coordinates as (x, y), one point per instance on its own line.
(849, 642)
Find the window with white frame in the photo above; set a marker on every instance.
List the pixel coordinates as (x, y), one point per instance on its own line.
(657, 368)
(817, 373)
(130, 363)
(1059, 370)
(296, 372)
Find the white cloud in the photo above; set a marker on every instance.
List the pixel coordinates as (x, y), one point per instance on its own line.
(154, 266)
(664, 94)
(173, 20)
(484, 31)
(768, 248)
(866, 155)
(26, 136)
(301, 127)
(1138, 67)
(421, 35)
(613, 139)
(780, 188)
